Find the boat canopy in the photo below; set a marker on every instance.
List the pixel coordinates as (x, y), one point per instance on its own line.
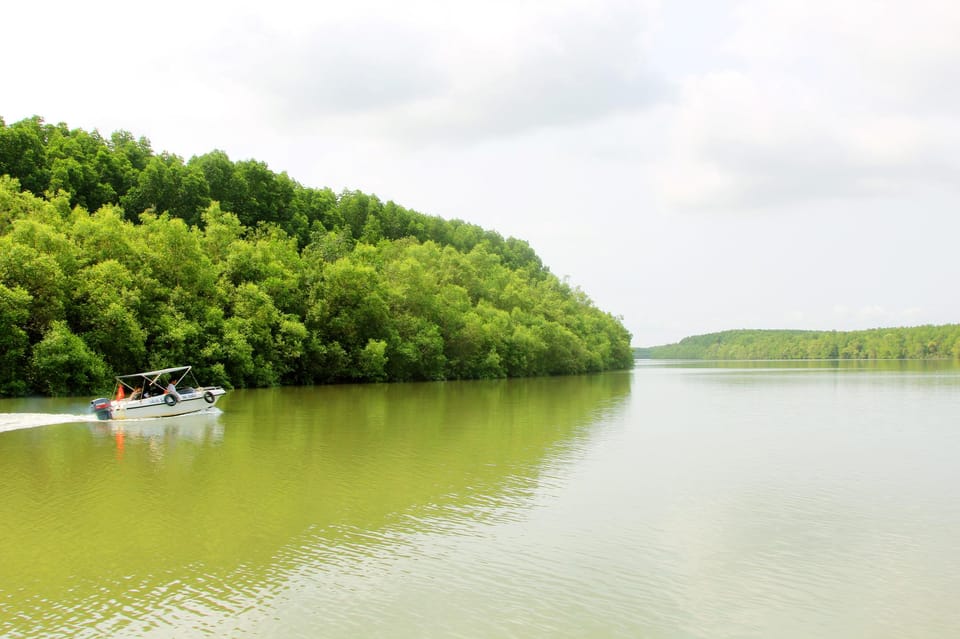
(152, 378)
(158, 373)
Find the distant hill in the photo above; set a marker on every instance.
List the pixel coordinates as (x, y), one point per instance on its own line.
(919, 342)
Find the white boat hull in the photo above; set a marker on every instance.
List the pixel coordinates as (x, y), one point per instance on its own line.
(194, 401)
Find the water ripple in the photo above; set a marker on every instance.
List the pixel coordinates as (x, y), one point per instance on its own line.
(20, 421)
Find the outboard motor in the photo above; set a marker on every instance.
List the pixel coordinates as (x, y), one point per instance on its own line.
(101, 406)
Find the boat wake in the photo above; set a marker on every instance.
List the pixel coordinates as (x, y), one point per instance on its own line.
(19, 421)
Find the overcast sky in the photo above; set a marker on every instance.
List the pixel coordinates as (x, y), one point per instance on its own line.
(693, 165)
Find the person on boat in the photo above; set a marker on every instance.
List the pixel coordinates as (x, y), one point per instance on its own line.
(172, 389)
(137, 393)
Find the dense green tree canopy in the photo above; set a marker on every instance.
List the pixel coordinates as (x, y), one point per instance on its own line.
(919, 342)
(115, 259)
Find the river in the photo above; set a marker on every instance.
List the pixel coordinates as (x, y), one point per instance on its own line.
(677, 500)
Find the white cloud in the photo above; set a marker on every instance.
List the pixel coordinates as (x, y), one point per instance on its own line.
(423, 74)
(819, 104)
(884, 54)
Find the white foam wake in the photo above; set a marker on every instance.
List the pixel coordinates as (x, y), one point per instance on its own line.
(18, 421)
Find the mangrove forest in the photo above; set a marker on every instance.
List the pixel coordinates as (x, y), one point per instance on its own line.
(917, 342)
(114, 258)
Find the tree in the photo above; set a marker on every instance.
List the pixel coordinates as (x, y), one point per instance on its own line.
(106, 235)
(82, 165)
(225, 184)
(167, 185)
(268, 196)
(14, 311)
(40, 276)
(349, 309)
(23, 154)
(313, 209)
(137, 152)
(105, 306)
(355, 208)
(372, 361)
(270, 258)
(63, 364)
(221, 230)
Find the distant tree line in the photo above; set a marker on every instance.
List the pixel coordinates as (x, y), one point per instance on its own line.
(919, 342)
(116, 259)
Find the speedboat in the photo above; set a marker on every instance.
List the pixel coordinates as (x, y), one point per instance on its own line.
(161, 393)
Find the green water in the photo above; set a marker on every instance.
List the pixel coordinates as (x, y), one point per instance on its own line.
(676, 500)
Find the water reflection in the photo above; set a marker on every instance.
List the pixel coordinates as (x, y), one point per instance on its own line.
(161, 434)
(799, 376)
(143, 527)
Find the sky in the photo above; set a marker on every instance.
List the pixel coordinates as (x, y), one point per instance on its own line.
(692, 165)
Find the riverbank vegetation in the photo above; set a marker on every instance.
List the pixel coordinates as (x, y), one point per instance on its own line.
(114, 258)
(920, 342)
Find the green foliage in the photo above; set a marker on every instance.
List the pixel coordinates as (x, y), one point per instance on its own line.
(23, 154)
(167, 185)
(14, 344)
(41, 276)
(82, 164)
(372, 361)
(105, 309)
(63, 364)
(115, 259)
(919, 342)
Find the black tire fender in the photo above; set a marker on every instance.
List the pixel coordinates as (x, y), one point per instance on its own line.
(208, 397)
(171, 400)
